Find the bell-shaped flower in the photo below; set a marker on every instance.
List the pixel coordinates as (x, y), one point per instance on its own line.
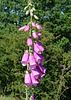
(33, 24)
(37, 57)
(27, 79)
(34, 35)
(39, 34)
(32, 61)
(35, 73)
(22, 28)
(29, 42)
(38, 27)
(32, 97)
(40, 46)
(35, 82)
(41, 68)
(25, 59)
(36, 48)
(26, 28)
(39, 37)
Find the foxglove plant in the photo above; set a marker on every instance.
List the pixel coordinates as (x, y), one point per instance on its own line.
(32, 57)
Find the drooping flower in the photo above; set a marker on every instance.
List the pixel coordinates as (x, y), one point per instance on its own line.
(41, 68)
(35, 82)
(26, 28)
(32, 61)
(29, 42)
(38, 33)
(32, 97)
(40, 46)
(22, 28)
(39, 37)
(35, 73)
(34, 35)
(33, 24)
(25, 59)
(38, 27)
(36, 49)
(27, 79)
(37, 57)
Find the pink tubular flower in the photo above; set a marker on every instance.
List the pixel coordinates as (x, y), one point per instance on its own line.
(32, 61)
(27, 79)
(32, 97)
(29, 42)
(25, 58)
(37, 57)
(26, 28)
(38, 27)
(22, 28)
(40, 46)
(42, 69)
(36, 49)
(34, 35)
(35, 73)
(33, 24)
(39, 37)
(34, 81)
(38, 33)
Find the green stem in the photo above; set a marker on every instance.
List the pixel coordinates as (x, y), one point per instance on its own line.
(30, 48)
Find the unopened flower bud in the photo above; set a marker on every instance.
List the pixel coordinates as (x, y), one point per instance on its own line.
(22, 28)
(25, 7)
(27, 12)
(26, 28)
(36, 17)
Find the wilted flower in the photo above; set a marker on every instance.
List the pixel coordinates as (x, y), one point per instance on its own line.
(27, 79)
(29, 42)
(22, 28)
(26, 28)
(25, 58)
(38, 27)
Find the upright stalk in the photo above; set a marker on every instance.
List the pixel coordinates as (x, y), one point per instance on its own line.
(30, 48)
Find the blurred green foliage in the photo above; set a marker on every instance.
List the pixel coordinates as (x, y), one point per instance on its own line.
(55, 19)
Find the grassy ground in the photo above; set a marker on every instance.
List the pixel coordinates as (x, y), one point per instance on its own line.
(7, 98)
